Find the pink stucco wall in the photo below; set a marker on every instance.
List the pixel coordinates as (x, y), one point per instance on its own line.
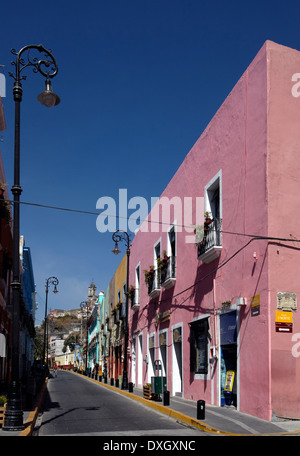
(246, 145)
(284, 221)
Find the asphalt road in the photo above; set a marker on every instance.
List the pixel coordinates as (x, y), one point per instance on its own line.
(76, 406)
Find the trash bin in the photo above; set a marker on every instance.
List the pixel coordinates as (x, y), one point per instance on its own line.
(158, 385)
(201, 410)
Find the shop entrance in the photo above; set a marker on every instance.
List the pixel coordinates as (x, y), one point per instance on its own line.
(228, 361)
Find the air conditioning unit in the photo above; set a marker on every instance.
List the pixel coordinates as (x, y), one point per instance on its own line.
(241, 301)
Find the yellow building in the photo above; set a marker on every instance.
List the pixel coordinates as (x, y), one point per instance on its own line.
(117, 306)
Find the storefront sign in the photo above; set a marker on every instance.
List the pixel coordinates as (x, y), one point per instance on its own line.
(161, 318)
(255, 305)
(283, 321)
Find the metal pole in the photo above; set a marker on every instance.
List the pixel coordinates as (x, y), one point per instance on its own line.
(125, 371)
(45, 327)
(87, 339)
(117, 237)
(13, 418)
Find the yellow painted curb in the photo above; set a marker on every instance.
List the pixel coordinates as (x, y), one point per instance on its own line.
(181, 416)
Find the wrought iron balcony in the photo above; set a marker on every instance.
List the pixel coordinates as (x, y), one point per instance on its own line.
(154, 284)
(168, 273)
(209, 248)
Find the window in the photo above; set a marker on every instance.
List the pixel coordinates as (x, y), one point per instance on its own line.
(213, 196)
(199, 336)
(135, 302)
(210, 246)
(168, 272)
(154, 283)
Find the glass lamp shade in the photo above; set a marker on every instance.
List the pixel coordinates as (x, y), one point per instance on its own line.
(48, 98)
(116, 249)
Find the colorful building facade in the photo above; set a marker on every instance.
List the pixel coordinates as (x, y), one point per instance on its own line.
(117, 301)
(217, 310)
(5, 270)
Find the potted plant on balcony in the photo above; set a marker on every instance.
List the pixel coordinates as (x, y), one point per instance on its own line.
(208, 217)
(162, 262)
(208, 220)
(149, 274)
(131, 292)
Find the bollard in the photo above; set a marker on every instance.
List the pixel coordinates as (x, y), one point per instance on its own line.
(112, 382)
(201, 410)
(105, 379)
(117, 382)
(100, 378)
(130, 387)
(166, 397)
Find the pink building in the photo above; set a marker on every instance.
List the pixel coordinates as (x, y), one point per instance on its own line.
(221, 315)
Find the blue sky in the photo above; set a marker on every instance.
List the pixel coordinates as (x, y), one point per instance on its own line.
(139, 81)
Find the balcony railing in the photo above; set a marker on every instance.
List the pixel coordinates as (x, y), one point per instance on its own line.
(211, 245)
(154, 284)
(168, 273)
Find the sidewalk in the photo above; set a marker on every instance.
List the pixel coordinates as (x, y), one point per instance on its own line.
(218, 420)
(29, 418)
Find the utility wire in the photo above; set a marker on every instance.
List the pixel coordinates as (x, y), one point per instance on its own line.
(255, 236)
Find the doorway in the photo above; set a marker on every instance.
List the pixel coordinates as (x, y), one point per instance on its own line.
(133, 361)
(140, 360)
(228, 360)
(177, 362)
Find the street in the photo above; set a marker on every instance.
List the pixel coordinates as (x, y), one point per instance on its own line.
(76, 406)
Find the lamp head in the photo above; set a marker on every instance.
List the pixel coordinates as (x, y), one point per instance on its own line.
(48, 98)
(55, 289)
(116, 249)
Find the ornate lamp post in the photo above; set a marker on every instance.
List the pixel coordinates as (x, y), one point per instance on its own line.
(47, 66)
(85, 305)
(53, 281)
(119, 236)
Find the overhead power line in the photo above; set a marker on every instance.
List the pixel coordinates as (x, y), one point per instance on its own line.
(255, 236)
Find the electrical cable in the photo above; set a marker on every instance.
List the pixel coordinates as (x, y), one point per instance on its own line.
(151, 221)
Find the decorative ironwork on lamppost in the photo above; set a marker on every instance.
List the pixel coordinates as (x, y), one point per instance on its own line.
(85, 305)
(117, 237)
(53, 281)
(47, 67)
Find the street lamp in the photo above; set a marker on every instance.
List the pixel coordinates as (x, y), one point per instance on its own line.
(53, 281)
(119, 236)
(85, 305)
(47, 66)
